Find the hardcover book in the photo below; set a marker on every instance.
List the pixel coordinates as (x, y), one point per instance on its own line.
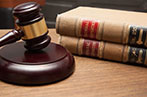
(104, 50)
(124, 27)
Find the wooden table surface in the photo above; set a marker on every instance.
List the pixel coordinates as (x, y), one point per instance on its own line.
(92, 78)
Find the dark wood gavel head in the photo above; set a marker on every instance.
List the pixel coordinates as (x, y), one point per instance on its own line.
(32, 24)
(31, 67)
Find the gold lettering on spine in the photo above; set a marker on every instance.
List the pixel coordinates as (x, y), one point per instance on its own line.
(140, 37)
(134, 31)
(133, 56)
(134, 52)
(140, 57)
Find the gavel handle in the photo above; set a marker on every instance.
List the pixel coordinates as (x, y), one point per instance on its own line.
(10, 37)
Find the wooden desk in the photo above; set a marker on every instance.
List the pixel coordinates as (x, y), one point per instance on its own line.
(92, 78)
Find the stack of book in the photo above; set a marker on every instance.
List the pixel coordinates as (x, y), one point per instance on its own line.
(104, 33)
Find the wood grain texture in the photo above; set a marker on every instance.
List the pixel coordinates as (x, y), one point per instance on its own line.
(92, 78)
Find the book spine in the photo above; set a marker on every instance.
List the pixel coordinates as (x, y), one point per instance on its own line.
(104, 50)
(102, 30)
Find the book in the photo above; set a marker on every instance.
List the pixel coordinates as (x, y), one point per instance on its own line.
(124, 27)
(104, 50)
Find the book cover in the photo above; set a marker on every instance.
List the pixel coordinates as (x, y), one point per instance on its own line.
(104, 50)
(124, 27)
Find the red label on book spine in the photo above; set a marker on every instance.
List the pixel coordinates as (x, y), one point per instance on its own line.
(90, 48)
(96, 49)
(89, 29)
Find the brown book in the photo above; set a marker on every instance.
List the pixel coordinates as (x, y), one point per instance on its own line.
(104, 50)
(116, 26)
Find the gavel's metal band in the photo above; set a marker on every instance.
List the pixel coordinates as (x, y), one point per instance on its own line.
(34, 30)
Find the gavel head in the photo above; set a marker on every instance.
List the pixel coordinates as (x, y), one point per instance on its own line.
(32, 23)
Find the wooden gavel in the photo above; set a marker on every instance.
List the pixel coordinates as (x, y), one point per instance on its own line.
(32, 27)
(32, 66)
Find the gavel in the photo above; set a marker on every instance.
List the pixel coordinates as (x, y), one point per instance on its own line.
(31, 27)
(43, 61)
